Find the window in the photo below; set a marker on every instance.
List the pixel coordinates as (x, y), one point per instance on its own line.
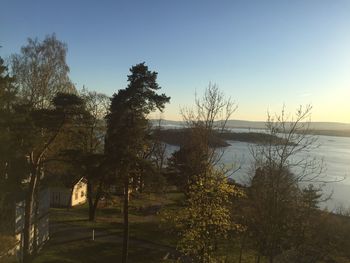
(76, 195)
(82, 194)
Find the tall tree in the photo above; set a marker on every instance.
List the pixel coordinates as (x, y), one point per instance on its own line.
(9, 179)
(206, 217)
(206, 119)
(43, 126)
(8, 98)
(276, 199)
(127, 130)
(8, 91)
(41, 71)
(88, 154)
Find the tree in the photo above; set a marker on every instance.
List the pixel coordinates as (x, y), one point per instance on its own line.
(8, 182)
(126, 130)
(41, 112)
(41, 71)
(92, 158)
(8, 91)
(272, 210)
(151, 174)
(39, 129)
(8, 97)
(196, 155)
(278, 206)
(295, 141)
(206, 217)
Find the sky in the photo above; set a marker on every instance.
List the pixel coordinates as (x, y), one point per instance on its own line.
(262, 54)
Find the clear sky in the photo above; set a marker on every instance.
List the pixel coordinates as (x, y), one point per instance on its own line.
(261, 53)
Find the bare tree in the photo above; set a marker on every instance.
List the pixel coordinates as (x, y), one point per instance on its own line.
(206, 216)
(93, 160)
(204, 123)
(41, 71)
(278, 205)
(291, 149)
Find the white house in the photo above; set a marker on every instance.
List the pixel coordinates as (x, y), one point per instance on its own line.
(61, 196)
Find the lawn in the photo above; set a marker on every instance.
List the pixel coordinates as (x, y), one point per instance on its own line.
(95, 251)
(150, 240)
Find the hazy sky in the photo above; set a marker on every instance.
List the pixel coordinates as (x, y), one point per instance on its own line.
(261, 53)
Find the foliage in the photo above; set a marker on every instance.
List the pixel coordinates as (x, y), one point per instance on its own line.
(9, 157)
(205, 221)
(6, 243)
(85, 155)
(127, 124)
(206, 218)
(41, 71)
(280, 212)
(127, 128)
(197, 155)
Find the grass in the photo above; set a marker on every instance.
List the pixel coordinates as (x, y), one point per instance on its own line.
(95, 251)
(150, 240)
(144, 228)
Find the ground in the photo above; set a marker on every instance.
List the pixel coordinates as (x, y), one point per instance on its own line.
(71, 233)
(151, 239)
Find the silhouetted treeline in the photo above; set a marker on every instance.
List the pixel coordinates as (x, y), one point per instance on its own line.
(217, 139)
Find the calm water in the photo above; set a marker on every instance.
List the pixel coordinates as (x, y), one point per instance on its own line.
(335, 152)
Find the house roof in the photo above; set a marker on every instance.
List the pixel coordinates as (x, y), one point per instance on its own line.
(57, 181)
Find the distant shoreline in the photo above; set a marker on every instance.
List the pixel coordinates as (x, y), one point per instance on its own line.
(335, 133)
(180, 136)
(316, 128)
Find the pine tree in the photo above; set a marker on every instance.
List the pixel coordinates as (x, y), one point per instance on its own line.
(127, 130)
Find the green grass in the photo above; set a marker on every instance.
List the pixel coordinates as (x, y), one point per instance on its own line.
(142, 228)
(95, 251)
(149, 238)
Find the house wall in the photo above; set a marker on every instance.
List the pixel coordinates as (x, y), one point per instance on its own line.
(60, 197)
(79, 193)
(63, 196)
(40, 226)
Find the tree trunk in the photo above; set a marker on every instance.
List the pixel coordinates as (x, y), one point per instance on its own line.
(141, 182)
(29, 207)
(90, 201)
(69, 204)
(35, 221)
(126, 222)
(93, 203)
(241, 248)
(93, 208)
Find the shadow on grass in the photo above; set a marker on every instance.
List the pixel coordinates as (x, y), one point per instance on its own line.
(95, 251)
(73, 220)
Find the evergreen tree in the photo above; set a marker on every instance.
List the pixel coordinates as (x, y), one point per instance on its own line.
(127, 130)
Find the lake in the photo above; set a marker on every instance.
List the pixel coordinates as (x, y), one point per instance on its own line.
(334, 151)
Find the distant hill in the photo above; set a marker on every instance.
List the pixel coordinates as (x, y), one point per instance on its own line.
(167, 123)
(319, 128)
(313, 125)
